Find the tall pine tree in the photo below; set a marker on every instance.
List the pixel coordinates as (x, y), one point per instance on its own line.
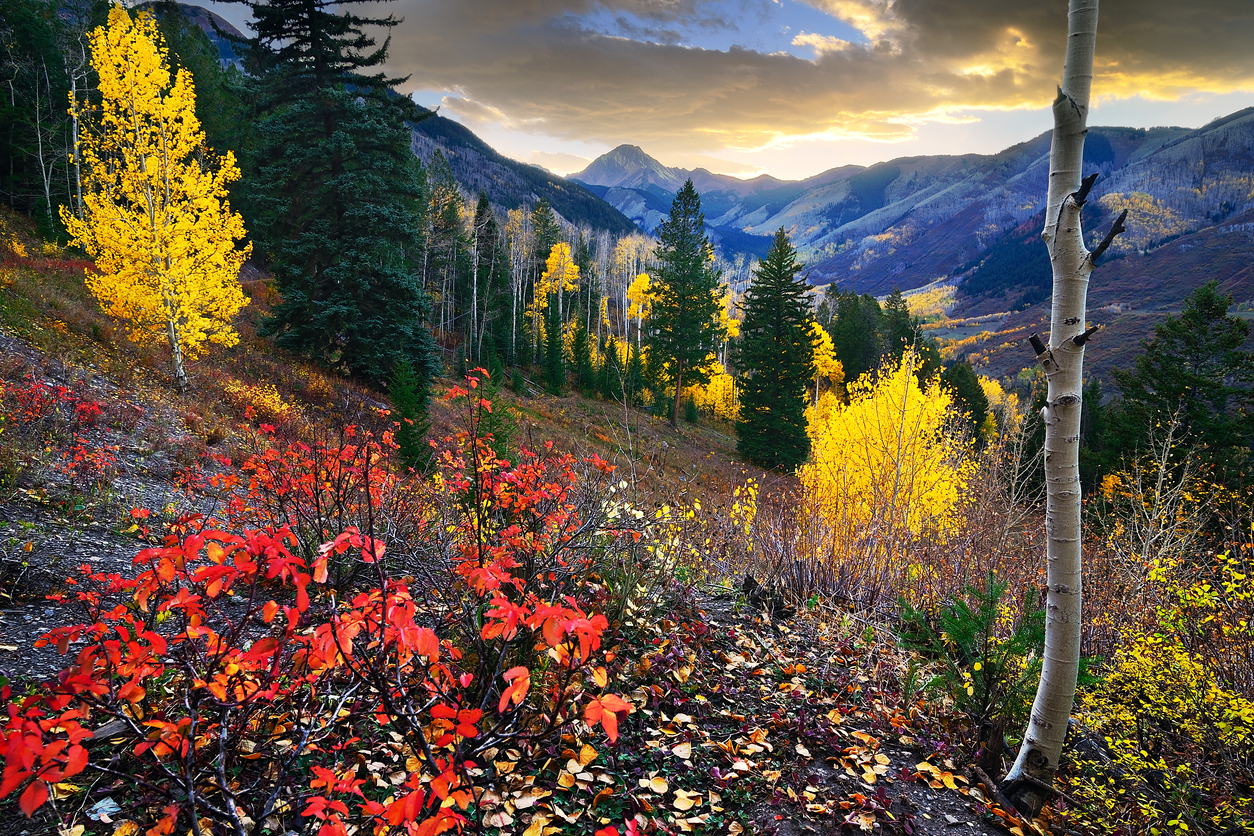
(338, 192)
(683, 328)
(776, 359)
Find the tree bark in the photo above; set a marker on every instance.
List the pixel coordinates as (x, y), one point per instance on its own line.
(176, 349)
(1063, 362)
(679, 388)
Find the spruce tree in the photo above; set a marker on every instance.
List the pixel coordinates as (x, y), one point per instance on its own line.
(338, 194)
(408, 393)
(581, 355)
(683, 328)
(635, 384)
(610, 374)
(554, 350)
(776, 358)
(1197, 370)
(857, 332)
(964, 383)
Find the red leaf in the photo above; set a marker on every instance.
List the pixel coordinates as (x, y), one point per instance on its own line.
(76, 762)
(35, 795)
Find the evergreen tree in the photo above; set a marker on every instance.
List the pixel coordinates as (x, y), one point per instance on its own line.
(634, 384)
(776, 358)
(610, 374)
(856, 331)
(220, 92)
(554, 350)
(683, 328)
(338, 194)
(581, 355)
(1194, 367)
(34, 131)
(409, 397)
(969, 395)
(897, 328)
(546, 231)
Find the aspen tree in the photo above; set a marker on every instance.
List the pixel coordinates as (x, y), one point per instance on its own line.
(155, 214)
(1030, 781)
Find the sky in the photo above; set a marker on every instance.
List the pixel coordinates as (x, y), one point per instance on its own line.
(795, 87)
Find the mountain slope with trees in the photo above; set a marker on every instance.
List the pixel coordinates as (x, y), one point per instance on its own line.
(508, 183)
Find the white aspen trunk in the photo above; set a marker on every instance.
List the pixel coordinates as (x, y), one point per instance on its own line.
(176, 348)
(474, 291)
(1030, 781)
(78, 162)
(45, 168)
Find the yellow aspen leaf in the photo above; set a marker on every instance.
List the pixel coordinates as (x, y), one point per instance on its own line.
(682, 751)
(685, 800)
(536, 828)
(587, 755)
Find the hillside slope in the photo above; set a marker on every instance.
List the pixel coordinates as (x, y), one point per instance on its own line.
(509, 183)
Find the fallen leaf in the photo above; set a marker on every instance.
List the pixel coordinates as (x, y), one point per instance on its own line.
(802, 750)
(685, 800)
(682, 751)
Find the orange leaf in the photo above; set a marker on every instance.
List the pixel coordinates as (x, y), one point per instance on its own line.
(520, 681)
(132, 692)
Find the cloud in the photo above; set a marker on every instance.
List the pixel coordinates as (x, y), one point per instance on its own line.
(820, 43)
(539, 65)
(558, 162)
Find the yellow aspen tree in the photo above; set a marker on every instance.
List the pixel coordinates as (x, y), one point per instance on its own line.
(155, 213)
(639, 299)
(826, 366)
(560, 276)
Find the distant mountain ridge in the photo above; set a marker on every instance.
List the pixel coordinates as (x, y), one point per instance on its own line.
(477, 167)
(912, 221)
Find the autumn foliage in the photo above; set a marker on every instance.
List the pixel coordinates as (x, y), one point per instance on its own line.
(887, 468)
(155, 215)
(240, 681)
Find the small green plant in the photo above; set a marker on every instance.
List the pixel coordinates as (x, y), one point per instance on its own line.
(690, 411)
(518, 384)
(409, 409)
(988, 660)
(498, 423)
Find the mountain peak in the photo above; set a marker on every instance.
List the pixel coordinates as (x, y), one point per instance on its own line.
(628, 166)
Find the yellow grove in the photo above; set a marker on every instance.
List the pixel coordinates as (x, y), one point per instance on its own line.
(887, 461)
(155, 217)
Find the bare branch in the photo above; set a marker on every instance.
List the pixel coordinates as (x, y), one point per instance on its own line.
(1117, 228)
